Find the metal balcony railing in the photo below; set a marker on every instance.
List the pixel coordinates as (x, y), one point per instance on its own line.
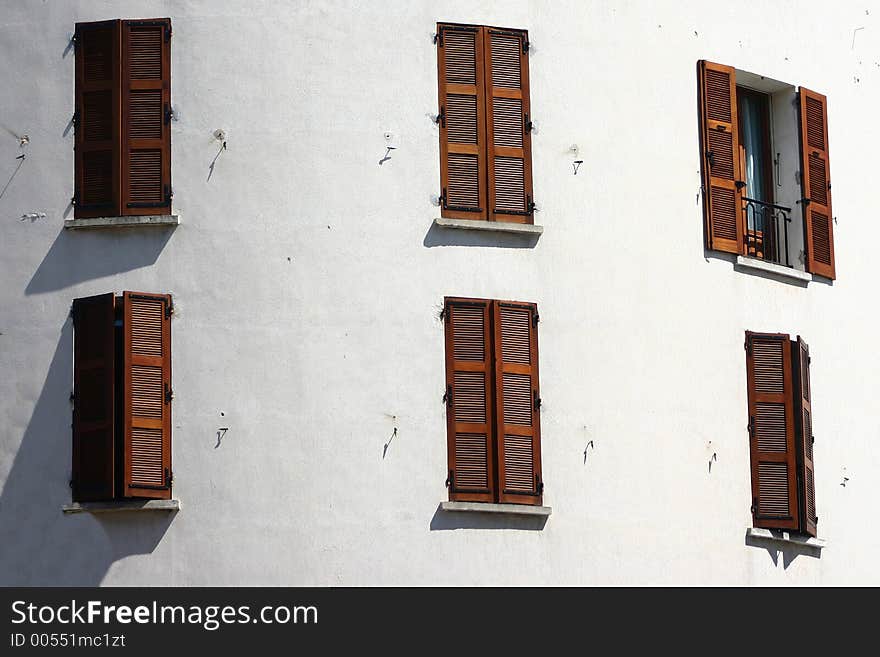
(767, 231)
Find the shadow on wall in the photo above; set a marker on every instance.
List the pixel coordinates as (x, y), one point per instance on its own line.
(440, 236)
(789, 553)
(41, 546)
(86, 254)
(443, 520)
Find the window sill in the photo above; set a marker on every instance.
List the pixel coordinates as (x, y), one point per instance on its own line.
(122, 505)
(496, 226)
(771, 268)
(117, 222)
(485, 507)
(784, 538)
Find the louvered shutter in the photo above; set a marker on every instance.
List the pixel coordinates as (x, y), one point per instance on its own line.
(469, 403)
(771, 431)
(518, 402)
(462, 121)
(93, 396)
(147, 394)
(96, 157)
(507, 115)
(816, 181)
(146, 122)
(719, 142)
(801, 356)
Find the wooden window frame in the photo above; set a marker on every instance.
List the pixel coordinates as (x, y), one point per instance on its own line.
(487, 150)
(137, 180)
(118, 391)
(500, 487)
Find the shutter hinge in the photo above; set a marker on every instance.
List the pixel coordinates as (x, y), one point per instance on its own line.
(450, 480)
(754, 505)
(70, 483)
(447, 396)
(169, 194)
(739, 184)
(536, 400)
(438, 38)
(169, 477)
(441, 118)
(530, 204)
(75, 119)
(169, 309)
(527, 124)
(445, 313)
(168, 113)
(747, 346)
(167, 33)
(525, 46)
(71, 396)
(751, 426)
(536, 318)
(710, 156)
(169, 393)
(539, 485)
(73, 199)
(442, 198)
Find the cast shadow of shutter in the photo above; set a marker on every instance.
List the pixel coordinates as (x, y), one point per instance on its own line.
(41, 545)
(88, 254)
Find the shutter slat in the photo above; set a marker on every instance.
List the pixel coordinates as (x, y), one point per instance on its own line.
(816, 183)
(801, 358)
(146, 128)
(147, 380)
(518, 420)
(94, 391)
(720, 165)
(509, 143)
(97, 140)
(468, 412)
(772, 431)
(462, 124)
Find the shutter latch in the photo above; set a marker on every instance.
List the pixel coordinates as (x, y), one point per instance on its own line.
(536, 400)
(447, 397)
(169, 393)
(450, 479)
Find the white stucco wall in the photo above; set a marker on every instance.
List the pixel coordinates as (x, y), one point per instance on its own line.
(307, 283)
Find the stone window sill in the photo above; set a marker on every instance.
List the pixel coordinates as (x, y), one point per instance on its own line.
(119, 222)
(785, 539)
(122, 505)
(496, 226)
(485, 507)
(771, 268)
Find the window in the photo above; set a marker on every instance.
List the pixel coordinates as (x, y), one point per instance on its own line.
(123, 118)
(764, 151)
(780, 432)
(492, 401)
(485, 142)
(122, 397)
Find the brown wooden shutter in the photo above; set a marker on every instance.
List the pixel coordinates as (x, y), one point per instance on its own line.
(719, 152)
(97, 147)
(469, 401)
(801, 357)
(816, 181)
(93, 396)
(518, 403)
(462, 121)
(771, 431)
(147, 394)
(507, 136)
(146, 112)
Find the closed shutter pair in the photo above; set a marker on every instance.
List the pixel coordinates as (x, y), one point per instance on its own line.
(485, 131)
(723, 181)
(122, 410)
(780, 432)
(123, 118)
(492, 401)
